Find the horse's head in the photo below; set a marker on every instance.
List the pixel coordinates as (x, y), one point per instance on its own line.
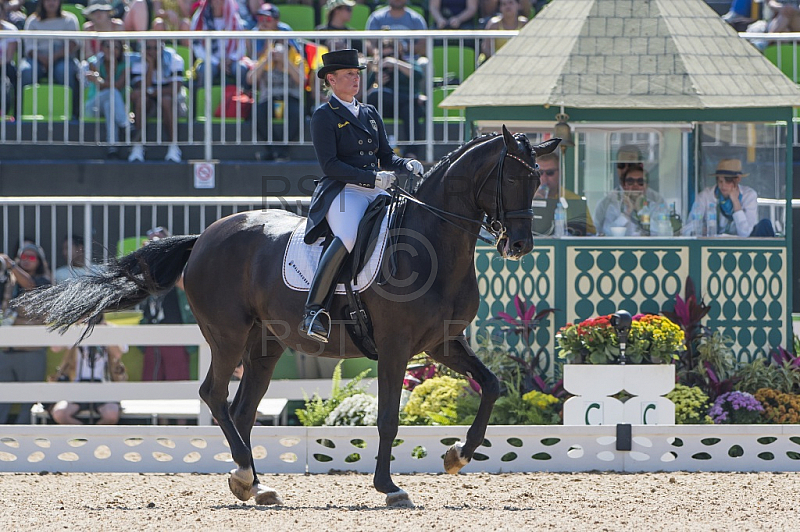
(516, 181)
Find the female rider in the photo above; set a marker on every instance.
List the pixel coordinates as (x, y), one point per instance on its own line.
(357, 165)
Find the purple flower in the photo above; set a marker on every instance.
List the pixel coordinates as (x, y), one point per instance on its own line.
(736, 407)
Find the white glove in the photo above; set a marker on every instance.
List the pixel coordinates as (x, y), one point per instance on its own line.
(385, 179)
(415, 167)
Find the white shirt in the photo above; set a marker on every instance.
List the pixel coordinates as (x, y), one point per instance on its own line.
(352, 106)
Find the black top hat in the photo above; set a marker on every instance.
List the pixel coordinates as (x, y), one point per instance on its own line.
(339, 60)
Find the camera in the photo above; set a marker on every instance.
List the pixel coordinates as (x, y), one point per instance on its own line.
(3, 271)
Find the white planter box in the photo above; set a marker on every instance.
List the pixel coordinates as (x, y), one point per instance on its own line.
(593, 385)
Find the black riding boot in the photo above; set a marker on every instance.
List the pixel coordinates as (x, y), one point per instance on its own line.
(322, 287)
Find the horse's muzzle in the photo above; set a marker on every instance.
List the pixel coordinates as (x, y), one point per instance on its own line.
(514, 250)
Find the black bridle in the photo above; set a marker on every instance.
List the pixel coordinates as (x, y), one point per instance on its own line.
(495, 224)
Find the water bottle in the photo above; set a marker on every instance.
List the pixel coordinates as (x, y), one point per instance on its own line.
(542, 192)
(560, 219)
(711, 220)
(644, 219)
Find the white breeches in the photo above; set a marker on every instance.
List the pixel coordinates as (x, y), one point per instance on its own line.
(347, 210)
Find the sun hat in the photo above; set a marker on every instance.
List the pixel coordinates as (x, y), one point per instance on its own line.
(629, 154)
(330, 5)
(729, 168)
(97, 5)
(339, 60)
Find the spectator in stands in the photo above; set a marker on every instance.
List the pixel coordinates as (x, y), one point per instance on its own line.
(22, 364)
(550, 188)
(38, 64)
(279, 77)
(269, 19)
(157, 81)
(339, 13)
(396, 16)
(508, 19)
(785, 16)
(166, 363)
(89, 364)
(172, 15)
(99, 15)
(227, 55)
(74, 253)
(454, 14)
(736, 204)
(139, 16)
(105, 75)
(625, 206)
(390, 61)
(8, 69)
(14, 13)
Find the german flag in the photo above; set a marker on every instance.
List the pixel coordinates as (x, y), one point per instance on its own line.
(313, 53)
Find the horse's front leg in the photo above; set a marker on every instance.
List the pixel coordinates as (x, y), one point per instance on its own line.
(391, 371)
(458, 356)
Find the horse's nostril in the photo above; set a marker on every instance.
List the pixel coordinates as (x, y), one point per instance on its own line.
(519, 244)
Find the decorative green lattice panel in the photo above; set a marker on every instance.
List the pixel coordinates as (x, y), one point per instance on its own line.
(602, 280)
(746, 288)
(499, 282)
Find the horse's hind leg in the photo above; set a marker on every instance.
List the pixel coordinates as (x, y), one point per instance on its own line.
(258, 367)
(226, 352)
(458, 356)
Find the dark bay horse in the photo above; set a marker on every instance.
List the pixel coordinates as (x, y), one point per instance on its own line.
(233, 280)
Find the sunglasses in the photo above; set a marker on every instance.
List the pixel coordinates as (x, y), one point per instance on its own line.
(29, 256)
(549, 173)
(635, 181)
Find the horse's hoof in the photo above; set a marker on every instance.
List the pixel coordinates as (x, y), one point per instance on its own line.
(265, 496)
(241, 483)
(454, 459)
(399, 499)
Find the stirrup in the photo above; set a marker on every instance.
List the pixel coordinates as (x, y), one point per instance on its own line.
(309, 331)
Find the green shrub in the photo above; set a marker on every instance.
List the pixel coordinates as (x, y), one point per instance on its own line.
(441, 400)
(691, 405)
(317, 409)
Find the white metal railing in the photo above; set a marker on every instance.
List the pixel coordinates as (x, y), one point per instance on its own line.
(449, 57)
(139, 335)
(106, 222)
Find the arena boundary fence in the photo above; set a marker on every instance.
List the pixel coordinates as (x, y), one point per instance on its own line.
(300, 450)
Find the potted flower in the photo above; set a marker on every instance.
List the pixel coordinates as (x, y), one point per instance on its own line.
(595, 370)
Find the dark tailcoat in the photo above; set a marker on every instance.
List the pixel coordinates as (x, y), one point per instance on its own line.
(349, 150)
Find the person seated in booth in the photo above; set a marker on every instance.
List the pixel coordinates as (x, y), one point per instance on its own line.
(550, 188)
(627, 207)
(105, 82)
(339, 13)
(736, 204)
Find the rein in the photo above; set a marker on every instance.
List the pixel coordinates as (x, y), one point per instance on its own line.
(494, 225)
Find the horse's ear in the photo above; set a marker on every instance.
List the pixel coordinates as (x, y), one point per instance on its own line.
(546, 146)
(508, 138)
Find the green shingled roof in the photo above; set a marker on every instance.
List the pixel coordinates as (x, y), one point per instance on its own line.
(621, 54)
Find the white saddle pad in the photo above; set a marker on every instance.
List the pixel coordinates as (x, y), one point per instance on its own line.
(301, 260)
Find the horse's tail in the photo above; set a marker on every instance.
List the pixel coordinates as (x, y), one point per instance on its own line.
(119, 284)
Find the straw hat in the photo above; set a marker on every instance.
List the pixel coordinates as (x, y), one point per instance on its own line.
(729, 168)
(629, 154)
(97, 5)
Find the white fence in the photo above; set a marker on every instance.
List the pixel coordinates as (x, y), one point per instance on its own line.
(140, 335)
(176, 449)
